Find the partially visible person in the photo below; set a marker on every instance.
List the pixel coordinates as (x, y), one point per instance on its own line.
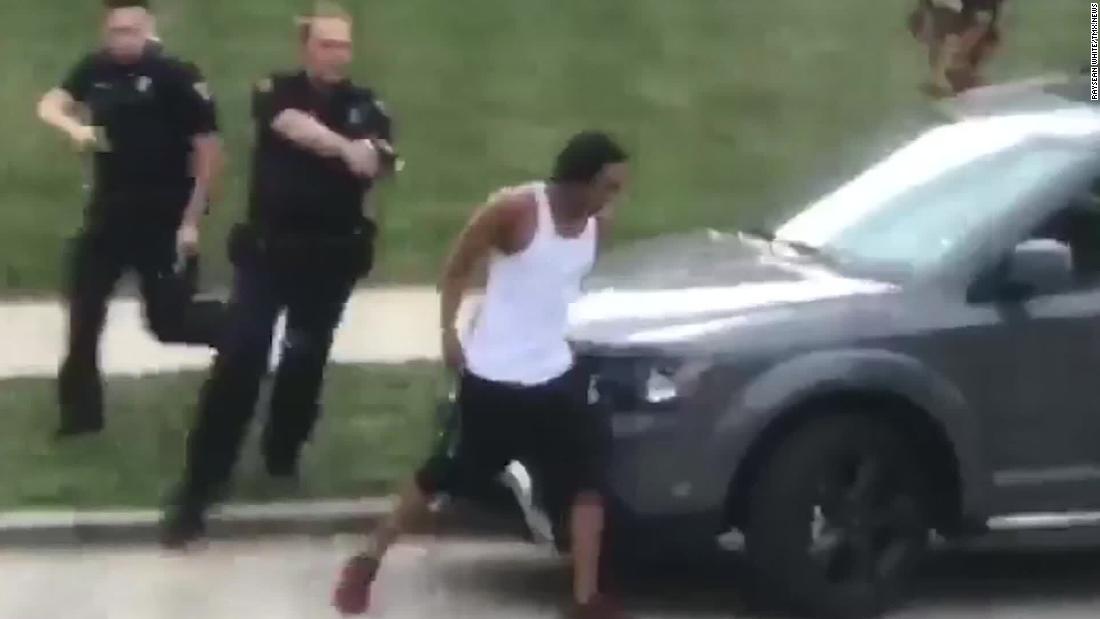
(155, 43)
(520, 394)
(961, 35)
(322, 142)
(153, 138)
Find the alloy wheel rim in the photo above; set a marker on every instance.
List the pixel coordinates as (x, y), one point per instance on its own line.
(865, 520)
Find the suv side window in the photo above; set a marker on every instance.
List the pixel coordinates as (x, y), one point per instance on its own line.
(1078, 226)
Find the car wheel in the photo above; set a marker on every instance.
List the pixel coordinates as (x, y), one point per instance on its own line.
(838, 518)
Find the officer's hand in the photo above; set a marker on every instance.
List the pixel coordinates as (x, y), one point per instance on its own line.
(187, 241)
(84, 137)
(453, 355)
(362, 158)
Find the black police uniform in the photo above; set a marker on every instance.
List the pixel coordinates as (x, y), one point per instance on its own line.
(304, 245)
(149, 112)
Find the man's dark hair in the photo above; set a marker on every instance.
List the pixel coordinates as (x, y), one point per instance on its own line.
(111, 5)
(586, 154)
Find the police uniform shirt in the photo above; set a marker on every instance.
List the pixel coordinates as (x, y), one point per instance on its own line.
(294, 189)
(149, 113)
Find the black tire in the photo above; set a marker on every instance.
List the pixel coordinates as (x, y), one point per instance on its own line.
(857, 481)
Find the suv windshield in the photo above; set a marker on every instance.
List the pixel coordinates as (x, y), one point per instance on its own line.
(911, 210)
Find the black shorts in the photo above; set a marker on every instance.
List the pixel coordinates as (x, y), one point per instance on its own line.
(549, 428)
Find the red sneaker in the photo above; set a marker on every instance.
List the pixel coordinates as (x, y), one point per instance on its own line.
(352, 595)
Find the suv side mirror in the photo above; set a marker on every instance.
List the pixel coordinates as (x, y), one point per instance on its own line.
(1037, 267)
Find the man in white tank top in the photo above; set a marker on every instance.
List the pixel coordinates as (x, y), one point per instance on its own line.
(519, 395)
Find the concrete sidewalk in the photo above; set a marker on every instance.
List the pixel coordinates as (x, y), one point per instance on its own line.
(66, 528)
(39, 529)
(289, 578)
(382, 325)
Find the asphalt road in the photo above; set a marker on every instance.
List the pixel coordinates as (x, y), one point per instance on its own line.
(291, 578)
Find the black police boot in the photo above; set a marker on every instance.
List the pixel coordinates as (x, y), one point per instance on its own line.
(184, 519)
(183, 523)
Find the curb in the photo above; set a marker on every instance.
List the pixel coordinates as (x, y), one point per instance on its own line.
(46, 529)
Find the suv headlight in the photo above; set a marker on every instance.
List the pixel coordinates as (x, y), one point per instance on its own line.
(642, 384)
(660, 386)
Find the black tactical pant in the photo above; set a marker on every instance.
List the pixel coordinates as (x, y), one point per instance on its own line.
(312, 284)
(99, 257)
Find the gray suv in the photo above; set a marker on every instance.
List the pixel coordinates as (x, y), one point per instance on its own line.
(915, 354)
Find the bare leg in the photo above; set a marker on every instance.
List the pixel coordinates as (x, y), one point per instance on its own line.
(974, 49)
(352, 596)
(412, 505)
(944, 57)
(587, 533)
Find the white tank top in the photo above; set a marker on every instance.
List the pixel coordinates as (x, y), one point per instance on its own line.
(519, 335)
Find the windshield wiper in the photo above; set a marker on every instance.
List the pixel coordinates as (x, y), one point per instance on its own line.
(769, 237)
(760, 233)
(802, 248)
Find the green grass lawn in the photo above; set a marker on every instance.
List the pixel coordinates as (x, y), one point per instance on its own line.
(736, 110)
(377, 425)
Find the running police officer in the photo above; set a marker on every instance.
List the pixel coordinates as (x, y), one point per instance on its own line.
(153, 132)
(321, 142)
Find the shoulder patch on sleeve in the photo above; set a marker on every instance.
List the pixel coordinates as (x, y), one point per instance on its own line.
(265, 85)
(371, 98)
(178, 68)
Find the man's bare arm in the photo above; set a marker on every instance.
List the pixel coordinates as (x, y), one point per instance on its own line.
(943, 58)
(58, 109)
(482, 235)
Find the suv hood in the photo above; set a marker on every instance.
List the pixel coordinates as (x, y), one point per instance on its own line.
(674, 290)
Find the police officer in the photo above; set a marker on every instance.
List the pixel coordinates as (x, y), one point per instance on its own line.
(153, 135)
(321, 142)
